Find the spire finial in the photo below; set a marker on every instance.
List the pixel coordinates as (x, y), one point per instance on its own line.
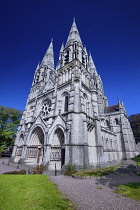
(73, 19)
(52, 39)
(119, 100)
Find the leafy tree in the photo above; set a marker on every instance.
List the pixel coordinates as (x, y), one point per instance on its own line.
(135, 124)
(9, 120)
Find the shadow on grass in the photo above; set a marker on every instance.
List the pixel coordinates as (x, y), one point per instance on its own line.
(113, 180)
(133, 185)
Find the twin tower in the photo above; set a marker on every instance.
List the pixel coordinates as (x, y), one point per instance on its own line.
(67, 119)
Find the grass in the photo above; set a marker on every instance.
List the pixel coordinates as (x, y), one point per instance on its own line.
(30, 192)
(137, 160)
(97, 172)
(131, 190)
(99, 188)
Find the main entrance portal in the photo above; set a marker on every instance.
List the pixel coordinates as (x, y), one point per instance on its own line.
(35, 148)
(57, 156)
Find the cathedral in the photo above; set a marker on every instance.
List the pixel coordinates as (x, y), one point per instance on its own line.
(67, 120)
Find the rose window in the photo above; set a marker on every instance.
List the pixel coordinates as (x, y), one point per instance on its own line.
(46, 108)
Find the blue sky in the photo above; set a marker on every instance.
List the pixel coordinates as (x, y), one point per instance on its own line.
(110, 29)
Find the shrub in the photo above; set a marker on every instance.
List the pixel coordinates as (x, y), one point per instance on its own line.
(97, 172)
(37, 170)
(21, 172)
(70, 169)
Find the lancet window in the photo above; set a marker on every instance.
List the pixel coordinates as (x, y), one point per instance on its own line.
(66, 103)
(116, 121)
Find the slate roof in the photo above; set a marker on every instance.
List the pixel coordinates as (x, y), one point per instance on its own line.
(109, 109)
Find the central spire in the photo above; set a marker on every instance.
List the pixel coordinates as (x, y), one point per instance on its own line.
(74, 35)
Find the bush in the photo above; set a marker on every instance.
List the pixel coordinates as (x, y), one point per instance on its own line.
(21, 172)
(37, 170)
(97, 172)
(70, 169)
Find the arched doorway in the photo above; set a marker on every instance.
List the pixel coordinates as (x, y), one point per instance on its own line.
(58, 149)
(35, 147)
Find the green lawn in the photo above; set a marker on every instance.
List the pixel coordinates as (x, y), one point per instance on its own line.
(131, 190)
(30, 192)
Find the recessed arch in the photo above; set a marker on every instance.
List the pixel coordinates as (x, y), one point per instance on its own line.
(37, 136)
(60, 135)
(35, 146)
(65, 93)
(58, 148)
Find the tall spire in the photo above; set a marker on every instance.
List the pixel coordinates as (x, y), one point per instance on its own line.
(73, 35)
(49, 57)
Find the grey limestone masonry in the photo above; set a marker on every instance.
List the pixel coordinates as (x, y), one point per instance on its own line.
(67, 120)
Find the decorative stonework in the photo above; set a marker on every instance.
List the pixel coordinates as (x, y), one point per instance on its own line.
(46, 108)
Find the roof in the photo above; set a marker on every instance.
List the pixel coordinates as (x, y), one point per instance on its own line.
(109, 109)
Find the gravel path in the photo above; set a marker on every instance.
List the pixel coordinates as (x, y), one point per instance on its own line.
(85, 194)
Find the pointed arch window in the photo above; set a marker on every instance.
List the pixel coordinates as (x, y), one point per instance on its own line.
(66, 109)
(116, 121)
(83, 59)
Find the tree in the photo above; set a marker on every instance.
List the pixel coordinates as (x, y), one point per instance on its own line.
(9, 121)
(135, 124)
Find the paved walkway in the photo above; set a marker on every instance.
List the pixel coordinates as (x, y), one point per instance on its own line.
(5, 166)
(90, 194)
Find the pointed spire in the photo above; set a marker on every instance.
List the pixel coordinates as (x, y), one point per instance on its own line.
(62, 47)
(49, 57)
(73, 35)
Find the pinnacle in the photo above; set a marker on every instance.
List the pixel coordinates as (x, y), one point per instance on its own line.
(62, 48)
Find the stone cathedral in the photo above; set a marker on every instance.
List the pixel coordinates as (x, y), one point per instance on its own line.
(67, 119)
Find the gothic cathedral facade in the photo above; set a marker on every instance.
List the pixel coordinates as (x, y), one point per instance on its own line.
(67, 119)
